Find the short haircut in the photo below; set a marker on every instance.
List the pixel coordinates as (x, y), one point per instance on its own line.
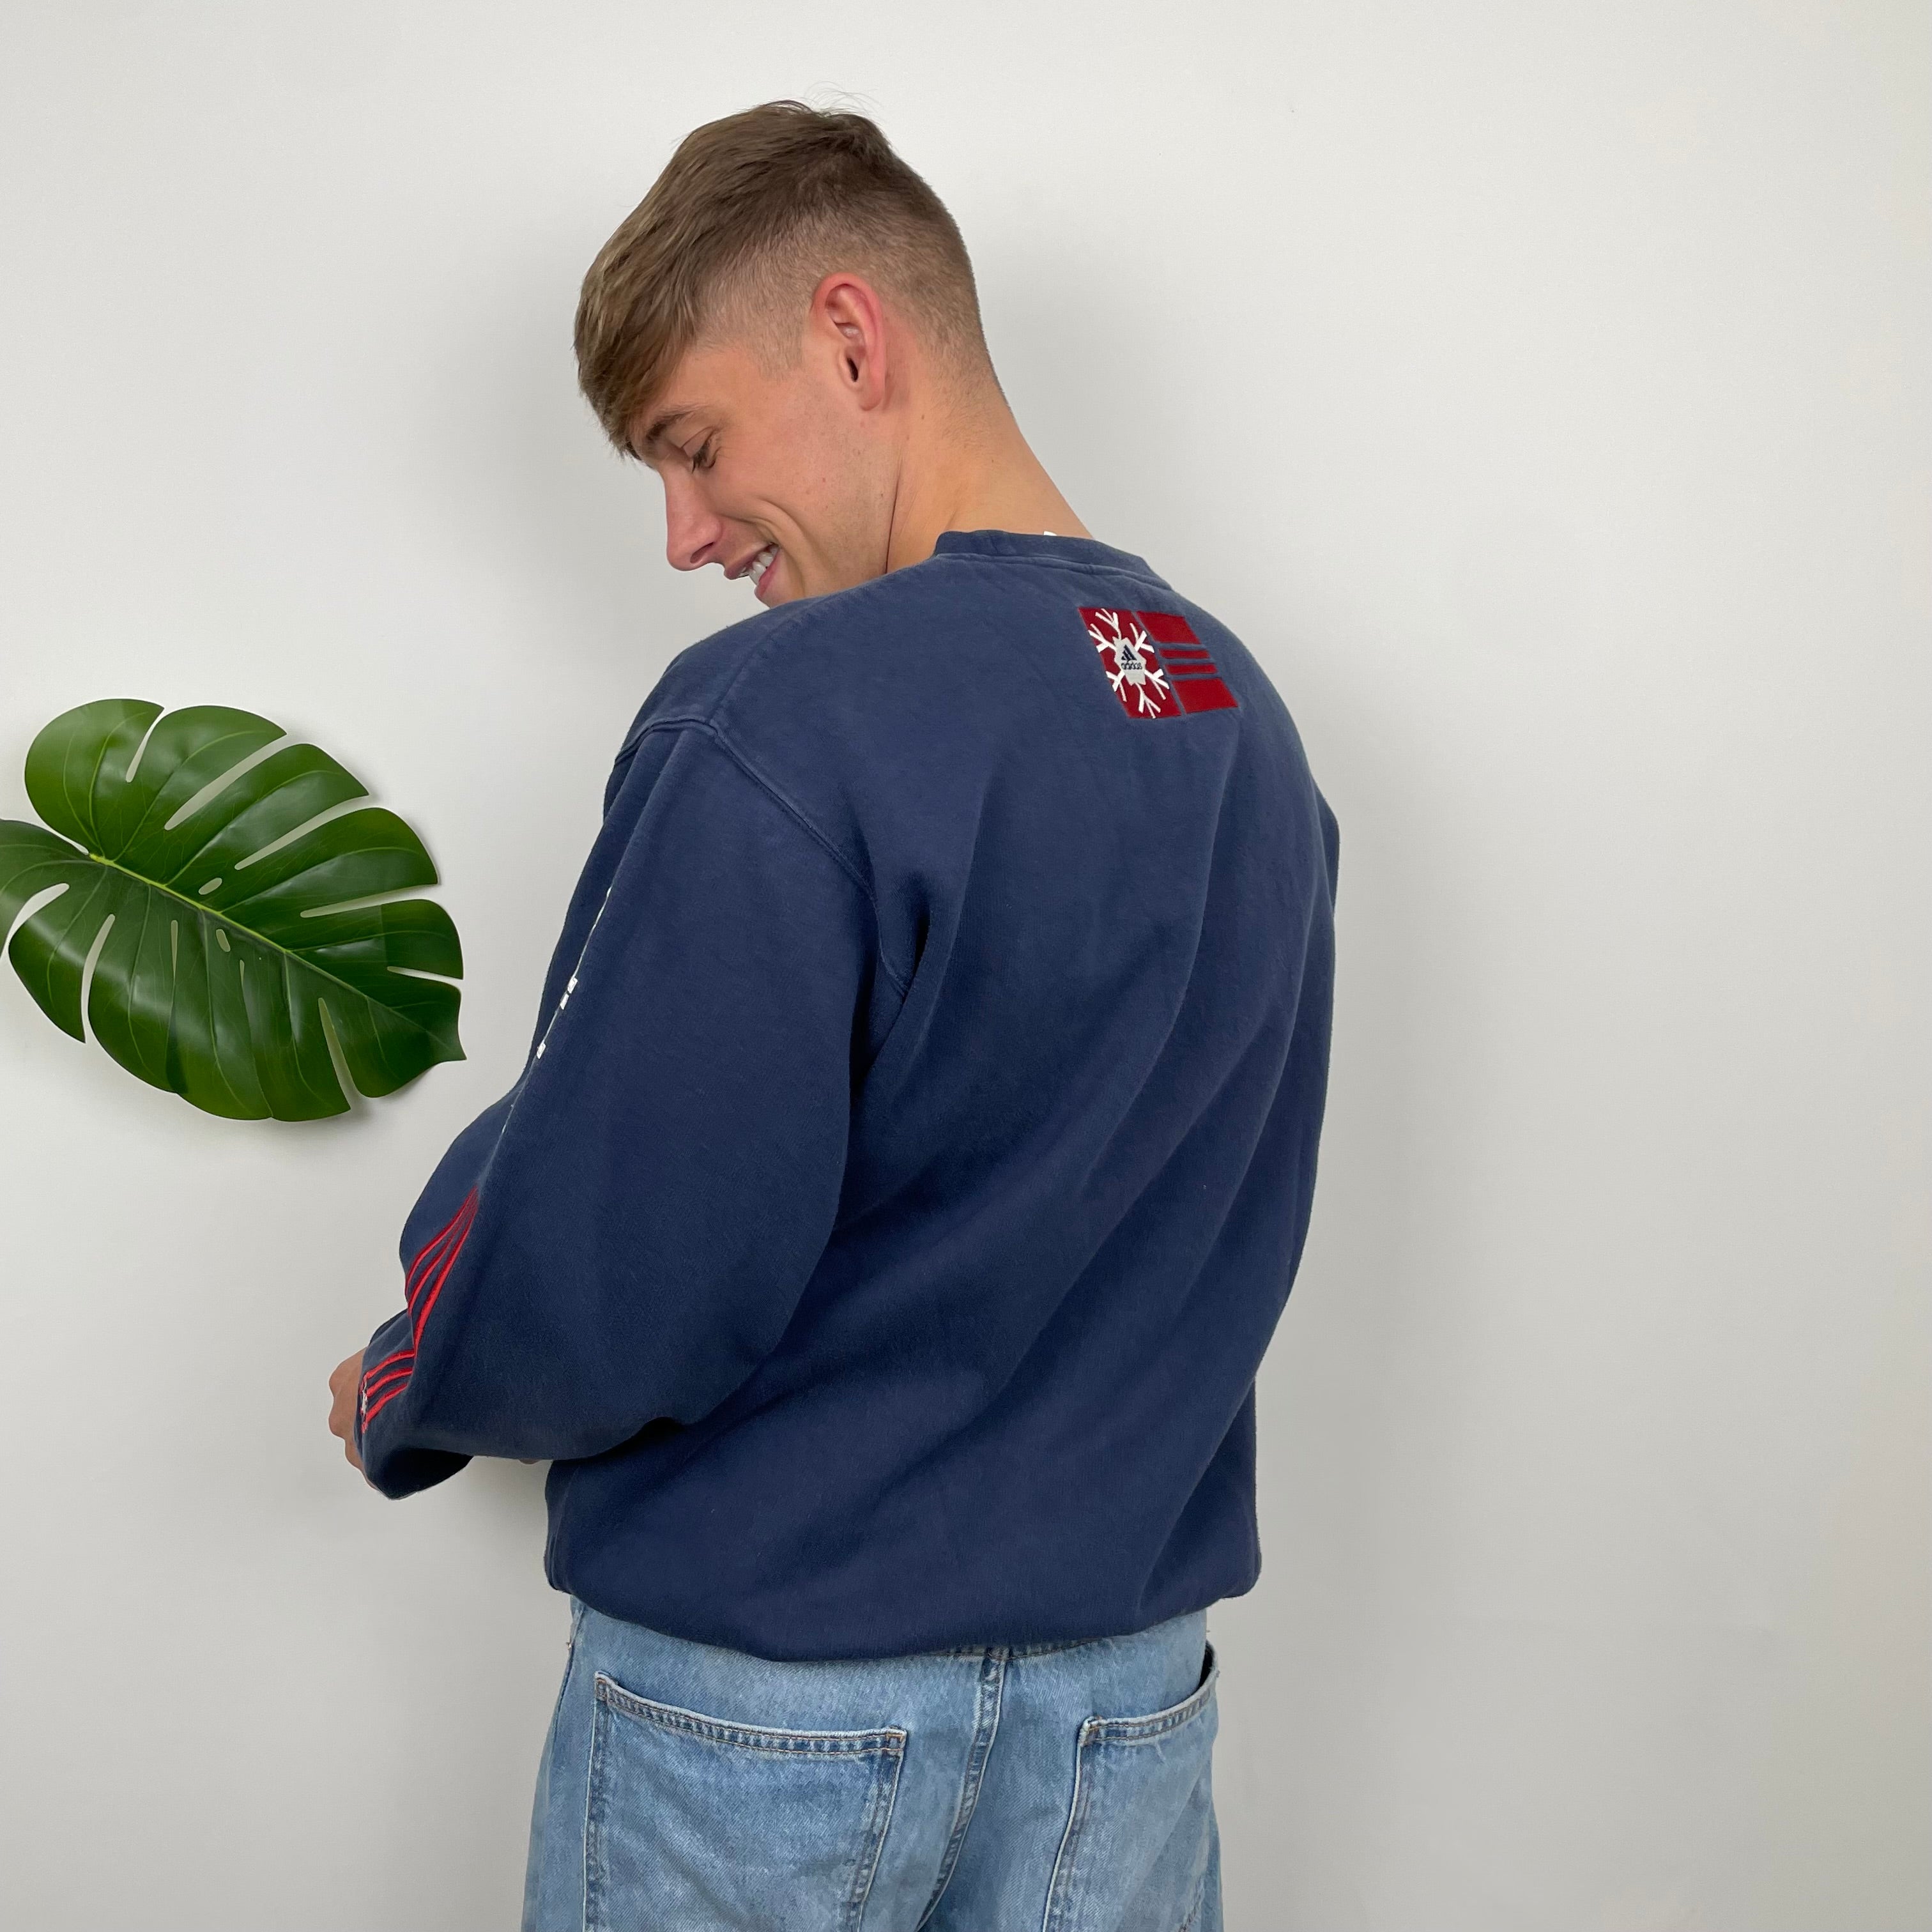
(751, 214)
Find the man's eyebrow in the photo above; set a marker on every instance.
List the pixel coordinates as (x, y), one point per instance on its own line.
(659, 424)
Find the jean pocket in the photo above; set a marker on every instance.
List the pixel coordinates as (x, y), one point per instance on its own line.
(1140, 1838)
(695, 1823)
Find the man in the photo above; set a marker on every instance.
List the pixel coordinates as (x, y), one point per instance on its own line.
(915, 1146)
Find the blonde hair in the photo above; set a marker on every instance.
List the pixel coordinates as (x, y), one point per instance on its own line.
(749, 216)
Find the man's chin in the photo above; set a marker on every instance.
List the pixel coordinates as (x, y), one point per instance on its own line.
(785, 591)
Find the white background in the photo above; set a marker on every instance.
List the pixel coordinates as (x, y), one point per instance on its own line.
(1542, 391)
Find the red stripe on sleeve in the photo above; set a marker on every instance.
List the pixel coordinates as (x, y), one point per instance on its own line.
(375, 1408)
(401, 1372)
(435, 1288)
(421, 1267)
(427, 1273)
(401, 1355)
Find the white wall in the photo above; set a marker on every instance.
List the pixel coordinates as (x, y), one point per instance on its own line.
(1542, 391)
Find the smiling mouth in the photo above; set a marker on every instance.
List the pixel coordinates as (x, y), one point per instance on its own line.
(755, 570)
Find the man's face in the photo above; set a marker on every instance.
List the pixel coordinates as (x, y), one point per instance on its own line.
(778, 478)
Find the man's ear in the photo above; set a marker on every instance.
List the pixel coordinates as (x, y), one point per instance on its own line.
(847, 323)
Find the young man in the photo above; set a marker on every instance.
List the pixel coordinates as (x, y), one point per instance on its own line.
(915, 1146)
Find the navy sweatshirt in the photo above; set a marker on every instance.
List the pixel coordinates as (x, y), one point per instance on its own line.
(916, 1147)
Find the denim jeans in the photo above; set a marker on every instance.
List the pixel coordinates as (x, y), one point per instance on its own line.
(1063, 1788)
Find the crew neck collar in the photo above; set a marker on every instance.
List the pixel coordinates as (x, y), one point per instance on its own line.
(1039, 547)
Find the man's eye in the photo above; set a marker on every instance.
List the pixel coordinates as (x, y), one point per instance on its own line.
(706, 454)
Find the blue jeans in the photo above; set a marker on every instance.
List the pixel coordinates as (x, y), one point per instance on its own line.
(1063, 1788)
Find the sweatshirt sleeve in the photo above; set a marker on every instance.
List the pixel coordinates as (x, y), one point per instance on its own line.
(624, 1237)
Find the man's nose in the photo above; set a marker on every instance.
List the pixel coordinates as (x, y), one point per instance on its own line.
(692, 532)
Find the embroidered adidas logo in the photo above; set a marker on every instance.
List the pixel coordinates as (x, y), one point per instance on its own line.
(1157, 667)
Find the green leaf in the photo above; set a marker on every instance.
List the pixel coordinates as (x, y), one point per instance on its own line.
(225, 952)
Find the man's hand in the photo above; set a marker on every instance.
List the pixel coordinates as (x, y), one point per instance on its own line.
(342, 1386)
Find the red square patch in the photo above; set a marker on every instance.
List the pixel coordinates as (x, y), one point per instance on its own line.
(1157, 666)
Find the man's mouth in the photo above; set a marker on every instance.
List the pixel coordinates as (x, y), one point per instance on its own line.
(755, 570)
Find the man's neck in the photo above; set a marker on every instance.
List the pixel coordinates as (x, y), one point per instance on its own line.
(969, 468)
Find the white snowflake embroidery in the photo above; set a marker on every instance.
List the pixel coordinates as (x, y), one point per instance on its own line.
(1131, 667)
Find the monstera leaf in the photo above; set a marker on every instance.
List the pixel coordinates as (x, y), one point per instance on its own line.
(227, 943)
